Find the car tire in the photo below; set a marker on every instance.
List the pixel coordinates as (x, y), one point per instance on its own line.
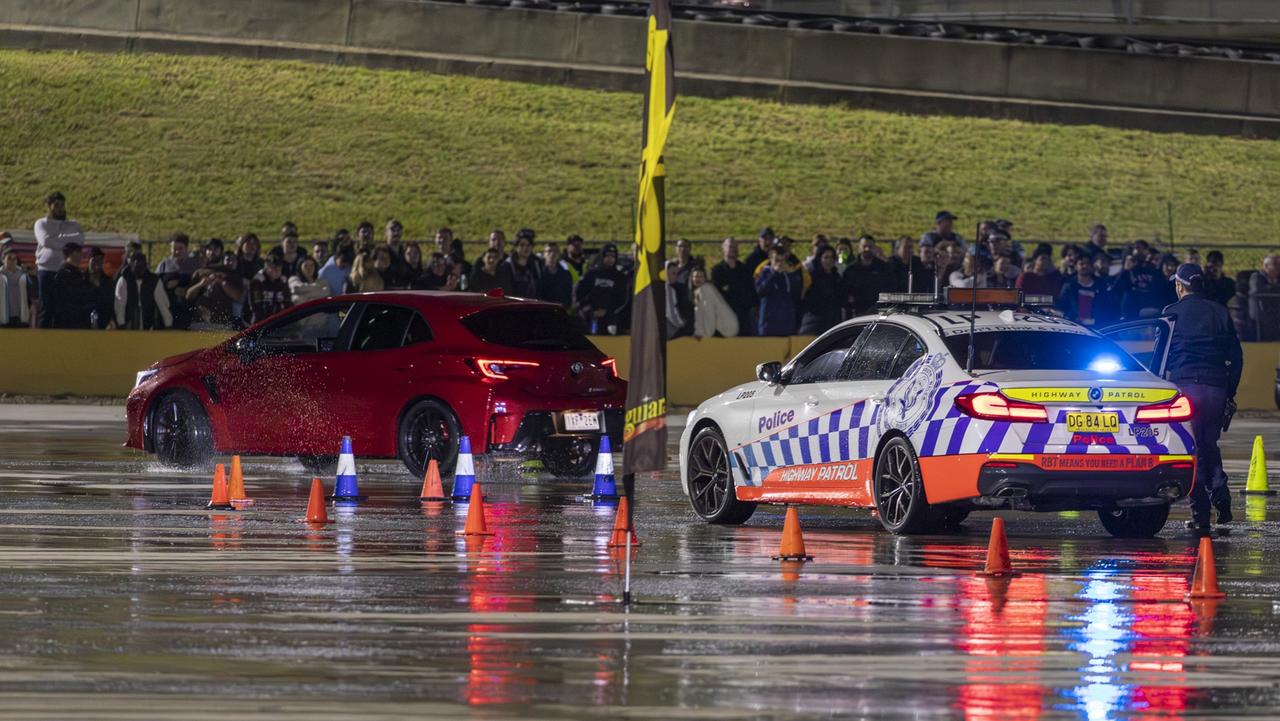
(180, 432)
(569, 457)
(711, 488)
(428, 429)
(899, 490)
(319, 465)
(1136, 522)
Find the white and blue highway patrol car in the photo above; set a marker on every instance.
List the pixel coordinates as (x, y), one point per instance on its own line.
(935, 407)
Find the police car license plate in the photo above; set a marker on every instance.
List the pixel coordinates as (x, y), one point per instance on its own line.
(1095, 422)
(581, 421)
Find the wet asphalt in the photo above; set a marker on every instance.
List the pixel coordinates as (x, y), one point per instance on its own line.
(121, 597)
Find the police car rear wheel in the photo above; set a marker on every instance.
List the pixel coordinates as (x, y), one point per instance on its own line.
(1137, 522)
(899, 491)
(711, 484)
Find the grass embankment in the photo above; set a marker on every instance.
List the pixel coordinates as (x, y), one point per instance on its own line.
(212, 146)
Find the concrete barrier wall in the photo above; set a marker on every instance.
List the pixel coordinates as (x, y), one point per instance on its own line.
(52, 362)
(1037, 83)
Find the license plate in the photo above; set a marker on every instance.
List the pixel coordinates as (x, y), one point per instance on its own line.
(581, 421)
(1096, 422)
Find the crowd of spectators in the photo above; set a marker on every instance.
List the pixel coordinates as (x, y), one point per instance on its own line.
(771, 291)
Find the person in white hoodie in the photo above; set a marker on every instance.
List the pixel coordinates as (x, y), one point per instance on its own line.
(307, 285)
(711, 313)
(16, 298)
(53, 232)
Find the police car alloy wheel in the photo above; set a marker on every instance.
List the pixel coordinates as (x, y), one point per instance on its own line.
(899, 493)
(711, 491)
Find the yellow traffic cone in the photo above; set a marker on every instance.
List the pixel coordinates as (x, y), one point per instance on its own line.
(1257, 482)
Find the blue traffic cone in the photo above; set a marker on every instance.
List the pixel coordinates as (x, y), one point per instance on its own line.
(464, 474)
(347, 487)
(604, 489)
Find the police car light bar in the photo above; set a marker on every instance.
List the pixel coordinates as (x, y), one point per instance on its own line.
(984, 296)
(1037, 300)
(908, 298)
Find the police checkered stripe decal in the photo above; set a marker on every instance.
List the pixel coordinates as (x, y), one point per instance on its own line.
(848, 433)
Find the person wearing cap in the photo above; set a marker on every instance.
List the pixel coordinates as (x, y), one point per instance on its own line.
(574, 258)
(1205, 361)
(759, 255)
(17, 292)
(603, 292)
(69, 294)
(53, 232)
(943, 221)
(140, 300)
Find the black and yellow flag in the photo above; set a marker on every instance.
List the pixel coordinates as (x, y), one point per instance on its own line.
(645, 430)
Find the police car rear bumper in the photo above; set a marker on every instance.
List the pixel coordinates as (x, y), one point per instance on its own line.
(1028, 484)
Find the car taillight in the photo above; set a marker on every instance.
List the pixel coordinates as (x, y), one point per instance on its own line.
(995, 407)
(1177, 408)
(612, 365)
(498, 369)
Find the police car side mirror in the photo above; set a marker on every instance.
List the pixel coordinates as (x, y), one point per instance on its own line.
(770, 372)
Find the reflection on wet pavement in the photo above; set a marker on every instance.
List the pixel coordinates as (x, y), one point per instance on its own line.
(122, 597)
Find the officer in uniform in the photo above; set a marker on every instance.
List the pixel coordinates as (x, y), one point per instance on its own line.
(1205, 362)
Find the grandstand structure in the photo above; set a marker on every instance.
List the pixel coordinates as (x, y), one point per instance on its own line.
(998, 67)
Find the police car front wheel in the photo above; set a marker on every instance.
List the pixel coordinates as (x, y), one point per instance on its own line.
(710, 482)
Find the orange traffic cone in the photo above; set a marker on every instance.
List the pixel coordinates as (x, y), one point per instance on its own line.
(475, 515)
(792, 546)
(220, 500)
(618, 538)
(316, 512)
(998, 552)
(432, 489)
(1204, 584)
(238, 497)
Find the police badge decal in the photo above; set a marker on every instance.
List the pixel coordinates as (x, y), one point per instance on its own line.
(909, 399)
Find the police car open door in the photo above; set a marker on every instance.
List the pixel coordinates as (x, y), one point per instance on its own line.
(1146, 340)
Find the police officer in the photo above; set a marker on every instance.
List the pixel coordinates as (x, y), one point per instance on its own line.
(1205, 362)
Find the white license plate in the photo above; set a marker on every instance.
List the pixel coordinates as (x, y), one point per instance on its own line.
(581, 421)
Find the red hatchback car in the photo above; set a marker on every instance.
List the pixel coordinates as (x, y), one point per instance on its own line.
(405, 374)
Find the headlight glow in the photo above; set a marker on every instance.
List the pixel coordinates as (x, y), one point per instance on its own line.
(144, 376)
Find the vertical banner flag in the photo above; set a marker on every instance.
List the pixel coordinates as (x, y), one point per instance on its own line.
(645, 428)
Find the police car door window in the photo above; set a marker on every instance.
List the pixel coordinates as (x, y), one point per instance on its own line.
(874, 360)
(822, 361)
(912, 350)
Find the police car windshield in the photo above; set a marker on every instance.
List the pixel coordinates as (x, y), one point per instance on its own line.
(1041, 350)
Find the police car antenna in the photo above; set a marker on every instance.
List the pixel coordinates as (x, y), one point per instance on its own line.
(973, 315)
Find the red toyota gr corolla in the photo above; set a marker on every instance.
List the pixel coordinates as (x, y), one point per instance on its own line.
(405, 374)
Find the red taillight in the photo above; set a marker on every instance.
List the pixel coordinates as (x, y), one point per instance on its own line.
(612, 365)
(1000, 464)
(1176, 409)
(995, 407)
(499, 369)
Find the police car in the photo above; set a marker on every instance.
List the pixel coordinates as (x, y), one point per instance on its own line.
(935, 407)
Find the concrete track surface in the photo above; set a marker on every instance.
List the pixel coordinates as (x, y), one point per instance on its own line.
(122, 598)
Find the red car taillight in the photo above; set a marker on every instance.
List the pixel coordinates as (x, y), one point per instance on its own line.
(995, 407)
(1177, 408)
(498, 369)
(612, 365)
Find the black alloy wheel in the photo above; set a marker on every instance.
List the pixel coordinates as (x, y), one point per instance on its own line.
(428, 429)
(899, 490)
(180, 432)
(1135, 522)
(711, 492)
(569, 457)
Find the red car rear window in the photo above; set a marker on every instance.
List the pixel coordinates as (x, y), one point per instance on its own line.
(528, 328)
